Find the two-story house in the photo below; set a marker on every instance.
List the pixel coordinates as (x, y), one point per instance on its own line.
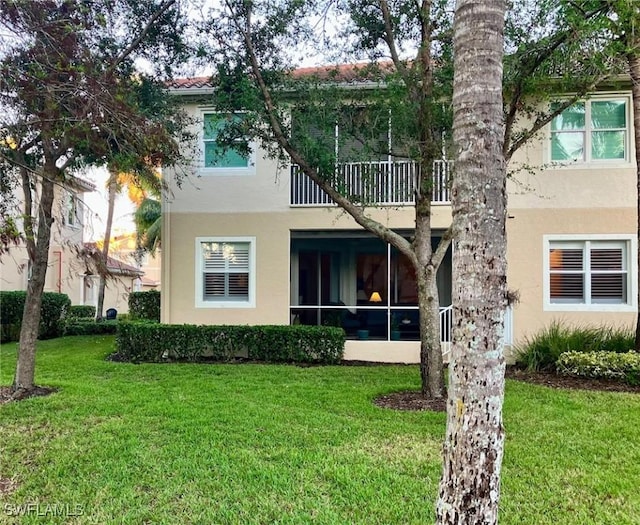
(245, 242)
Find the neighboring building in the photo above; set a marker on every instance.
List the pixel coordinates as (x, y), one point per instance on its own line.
(123, 247)
(69, 271)
(247, 243)
(123, 279)
(66, 238)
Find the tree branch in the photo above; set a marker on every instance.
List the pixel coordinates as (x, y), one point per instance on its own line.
(544, 119)
(140, 38)
(352, 209)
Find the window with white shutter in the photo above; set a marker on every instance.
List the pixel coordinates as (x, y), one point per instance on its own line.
(588, 272)
(225, 275)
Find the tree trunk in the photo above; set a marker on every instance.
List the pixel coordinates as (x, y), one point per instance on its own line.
(431, 365)
(473, 448)
(39, 259)
(634, 71)
(113, 189)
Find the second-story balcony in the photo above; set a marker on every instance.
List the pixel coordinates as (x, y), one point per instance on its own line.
(378, 183)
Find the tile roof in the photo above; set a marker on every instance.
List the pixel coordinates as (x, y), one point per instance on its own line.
(362, 72)
(114, 266)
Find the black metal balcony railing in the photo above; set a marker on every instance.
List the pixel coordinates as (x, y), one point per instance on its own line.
(376, 183)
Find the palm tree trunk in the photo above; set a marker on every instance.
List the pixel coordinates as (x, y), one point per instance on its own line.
(474, 441)
(113, 189)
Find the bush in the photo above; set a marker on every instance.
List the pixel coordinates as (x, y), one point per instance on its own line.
(145, 341)
(53, 310)
(541, 352)
(144, 306)
(607, 365)
(82, 311)
(89, 327)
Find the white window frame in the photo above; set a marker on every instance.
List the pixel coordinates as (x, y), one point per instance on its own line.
(250, 169)
(199, 269)
(630, 242)
(588, 161)
(71, 210)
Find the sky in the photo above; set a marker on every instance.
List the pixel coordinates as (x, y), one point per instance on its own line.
(97, 204)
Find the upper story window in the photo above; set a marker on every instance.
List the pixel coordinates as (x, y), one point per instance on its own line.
(591, 131)
(225, 272)
(72, 210)
(215, 158)
(588, 274)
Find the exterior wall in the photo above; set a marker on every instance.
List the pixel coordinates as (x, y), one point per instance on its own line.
(589, 199)
(525, 254)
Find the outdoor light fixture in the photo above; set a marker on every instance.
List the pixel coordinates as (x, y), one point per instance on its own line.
(375, 298)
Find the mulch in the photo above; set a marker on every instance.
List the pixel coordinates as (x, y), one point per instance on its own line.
(412, 400)
(7, 394)
(553, 380)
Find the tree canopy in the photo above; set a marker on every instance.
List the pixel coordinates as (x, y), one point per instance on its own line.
(74, 95)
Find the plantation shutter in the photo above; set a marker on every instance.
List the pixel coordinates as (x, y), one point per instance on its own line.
(225, 271)
(608, 275)
(566, 275)
(588, 272)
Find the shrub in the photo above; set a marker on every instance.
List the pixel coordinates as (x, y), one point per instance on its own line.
(146, 341)
(82, 311)
(607, 365)
(144, 306)
(11, 308)
(541, 352)
(53, 310)
(89, 327)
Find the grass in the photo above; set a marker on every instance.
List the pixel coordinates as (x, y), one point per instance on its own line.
(542, 350)
(261, 444)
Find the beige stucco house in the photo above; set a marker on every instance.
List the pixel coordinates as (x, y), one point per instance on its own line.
(245, 242)
(70, 270)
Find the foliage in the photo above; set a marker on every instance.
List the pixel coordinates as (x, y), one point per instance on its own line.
(148, 221)
(73, 96)
(144, 306)
(137, 341)
(53, 310)
(541, 351)
(607, 365)
(83, 326)
(399, 109)
(81, 311)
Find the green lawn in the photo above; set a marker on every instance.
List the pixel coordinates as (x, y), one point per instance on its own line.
(218, 444)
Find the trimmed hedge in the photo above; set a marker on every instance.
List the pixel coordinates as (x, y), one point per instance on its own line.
(53, 310)
(82, 311)
(140, 341)
(144, 306)
(89, 327)
(606, 365)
